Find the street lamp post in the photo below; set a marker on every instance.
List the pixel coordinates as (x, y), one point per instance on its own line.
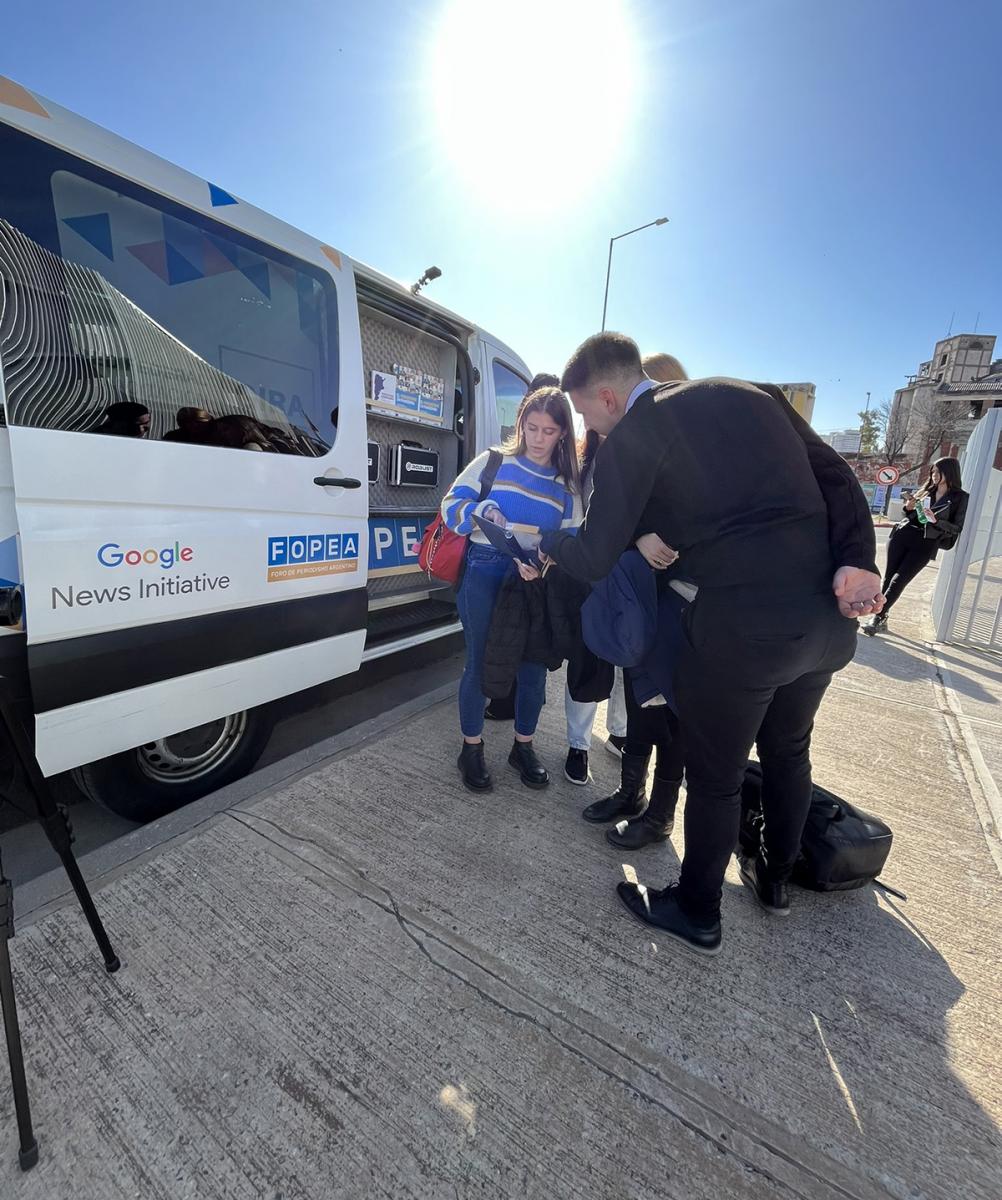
(608, 269)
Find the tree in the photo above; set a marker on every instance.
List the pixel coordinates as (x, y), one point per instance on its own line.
(869, 432)
(919, 433)
(935, 423)
(893, 427)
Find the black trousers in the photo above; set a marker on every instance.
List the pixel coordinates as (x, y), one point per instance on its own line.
(907, 553)
(752, 670)
(656, 729)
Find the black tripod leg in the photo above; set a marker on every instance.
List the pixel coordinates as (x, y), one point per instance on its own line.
(28, 1152)
(57, 829)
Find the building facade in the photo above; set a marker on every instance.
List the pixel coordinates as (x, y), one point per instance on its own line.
(845, 441)
(935, 412)
(801, 396)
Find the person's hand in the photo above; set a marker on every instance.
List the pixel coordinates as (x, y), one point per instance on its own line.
(857, 592)
(658, 554)
(930, 516)
(528, 573)
(495, 515)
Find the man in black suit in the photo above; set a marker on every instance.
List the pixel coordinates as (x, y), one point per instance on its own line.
(769, 522)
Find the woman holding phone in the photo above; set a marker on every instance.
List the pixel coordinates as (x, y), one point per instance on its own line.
(933, 519)
(536, 489)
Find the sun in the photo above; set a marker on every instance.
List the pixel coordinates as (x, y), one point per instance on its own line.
(533, 99)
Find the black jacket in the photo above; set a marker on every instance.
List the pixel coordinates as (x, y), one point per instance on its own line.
(728, 474)
(950, 512)
(541, 622)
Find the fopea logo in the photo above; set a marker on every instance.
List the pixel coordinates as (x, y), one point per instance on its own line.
(112, 554)
(303, 555)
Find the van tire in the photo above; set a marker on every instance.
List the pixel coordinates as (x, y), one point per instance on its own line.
(149, 781)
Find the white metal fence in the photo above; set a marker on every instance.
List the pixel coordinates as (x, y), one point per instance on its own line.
(967, 602)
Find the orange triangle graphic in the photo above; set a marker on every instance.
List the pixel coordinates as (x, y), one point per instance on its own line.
(333, 255)
(15, 96)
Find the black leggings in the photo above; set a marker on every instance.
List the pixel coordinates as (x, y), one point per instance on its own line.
(650, 729)
(907, 553)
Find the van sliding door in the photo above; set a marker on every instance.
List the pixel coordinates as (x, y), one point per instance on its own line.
(184, 405)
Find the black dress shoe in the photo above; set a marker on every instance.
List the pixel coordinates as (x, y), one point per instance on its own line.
(660, 910)
(576, 766)
(774, 897)
(523, 759)
(629, 799)
(473, 769)
(654, 825)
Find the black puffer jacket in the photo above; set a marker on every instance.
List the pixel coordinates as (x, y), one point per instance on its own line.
(541, 622)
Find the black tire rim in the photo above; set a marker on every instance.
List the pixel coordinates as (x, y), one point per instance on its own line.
(193, 753)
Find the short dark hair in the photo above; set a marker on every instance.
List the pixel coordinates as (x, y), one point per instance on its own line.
(601, 354)
(543, 379)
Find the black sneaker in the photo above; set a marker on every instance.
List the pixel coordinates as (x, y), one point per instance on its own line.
(576, 767)
(660, 910)
(773, 897)
(615, 745)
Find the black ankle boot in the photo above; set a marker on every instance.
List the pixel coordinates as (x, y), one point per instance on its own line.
(473, 769)
(629, 799)
(655, 824)
(523, 759)
(772, 894)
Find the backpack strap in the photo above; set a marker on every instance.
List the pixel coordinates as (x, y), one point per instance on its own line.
(494, 460)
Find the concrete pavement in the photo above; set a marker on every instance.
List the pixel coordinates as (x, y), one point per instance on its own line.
(361, 980)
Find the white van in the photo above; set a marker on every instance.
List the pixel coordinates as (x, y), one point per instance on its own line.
(222, 441)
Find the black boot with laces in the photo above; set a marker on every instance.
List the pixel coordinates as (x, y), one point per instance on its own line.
(629, 799)
(654, 825)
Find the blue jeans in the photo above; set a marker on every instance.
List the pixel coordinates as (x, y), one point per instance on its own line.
(486, 570)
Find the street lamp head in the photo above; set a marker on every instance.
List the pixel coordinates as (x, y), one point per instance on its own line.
(427, 277)
(661, 221)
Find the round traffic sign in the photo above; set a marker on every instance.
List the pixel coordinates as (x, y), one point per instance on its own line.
(888, 475)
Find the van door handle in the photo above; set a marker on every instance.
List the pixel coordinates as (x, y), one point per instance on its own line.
(323, 481)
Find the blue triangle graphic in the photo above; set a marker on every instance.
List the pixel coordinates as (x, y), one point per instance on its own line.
(219, 197)
(227, 249)
(95, 229)
(257, 273)
(179, 270)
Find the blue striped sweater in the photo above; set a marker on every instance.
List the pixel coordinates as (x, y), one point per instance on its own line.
(531, 498)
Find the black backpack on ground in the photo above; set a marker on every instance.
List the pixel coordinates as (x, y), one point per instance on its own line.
(842, 847)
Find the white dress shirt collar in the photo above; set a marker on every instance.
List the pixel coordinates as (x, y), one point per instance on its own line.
(643, 386)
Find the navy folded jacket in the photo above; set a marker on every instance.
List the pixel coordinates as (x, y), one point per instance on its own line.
(627, 622)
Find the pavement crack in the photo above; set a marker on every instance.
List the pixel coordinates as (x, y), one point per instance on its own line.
(720, 1142)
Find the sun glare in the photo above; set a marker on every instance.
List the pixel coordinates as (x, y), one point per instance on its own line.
(533, 98)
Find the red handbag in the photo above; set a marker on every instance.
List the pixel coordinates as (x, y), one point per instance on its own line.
(442, 552)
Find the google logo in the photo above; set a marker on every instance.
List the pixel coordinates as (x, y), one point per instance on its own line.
(111, 554)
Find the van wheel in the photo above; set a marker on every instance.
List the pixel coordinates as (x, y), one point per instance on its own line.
(156, 778)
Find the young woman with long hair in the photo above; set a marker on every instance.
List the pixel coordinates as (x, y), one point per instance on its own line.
(536, 489)
(933, 519)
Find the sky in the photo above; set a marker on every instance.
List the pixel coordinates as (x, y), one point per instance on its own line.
(832, 172)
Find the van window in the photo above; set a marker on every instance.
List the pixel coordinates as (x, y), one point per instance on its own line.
(509, 390)
(124, 314)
